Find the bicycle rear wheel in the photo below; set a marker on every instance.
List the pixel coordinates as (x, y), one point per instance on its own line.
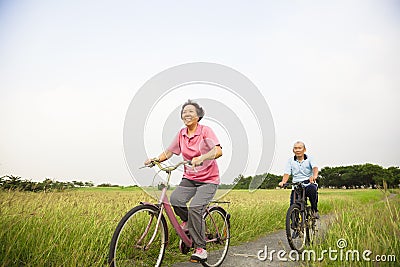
(217, 233)
(136, 241)
(311, 227)
(295, 231)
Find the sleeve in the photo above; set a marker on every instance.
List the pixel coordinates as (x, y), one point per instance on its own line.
(210, 138)
(288, 168)
(313, 163)
(175, 147)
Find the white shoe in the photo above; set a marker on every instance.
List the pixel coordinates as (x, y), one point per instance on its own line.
(200, 254)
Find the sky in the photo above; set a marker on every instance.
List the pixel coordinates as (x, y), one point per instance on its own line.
(329, 71)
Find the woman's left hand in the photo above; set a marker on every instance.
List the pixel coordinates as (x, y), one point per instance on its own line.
(197, 161)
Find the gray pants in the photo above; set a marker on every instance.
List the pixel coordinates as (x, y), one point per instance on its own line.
(202, 194)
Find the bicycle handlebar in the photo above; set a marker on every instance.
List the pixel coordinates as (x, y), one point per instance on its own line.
(167, 168)
(285, 185)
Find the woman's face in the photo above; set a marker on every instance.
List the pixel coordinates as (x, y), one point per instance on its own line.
(189, 115)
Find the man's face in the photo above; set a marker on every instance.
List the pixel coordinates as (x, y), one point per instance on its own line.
(299, 149)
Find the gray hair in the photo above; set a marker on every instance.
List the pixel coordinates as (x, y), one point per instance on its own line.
(299, 142)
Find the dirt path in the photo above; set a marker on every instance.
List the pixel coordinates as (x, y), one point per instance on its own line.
(246, 254)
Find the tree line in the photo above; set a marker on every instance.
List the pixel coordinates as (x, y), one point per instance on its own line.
(10, 182)
(354, 176)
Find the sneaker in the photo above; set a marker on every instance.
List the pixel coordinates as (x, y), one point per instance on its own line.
(316, 215)
(184, 226)
(200, 254)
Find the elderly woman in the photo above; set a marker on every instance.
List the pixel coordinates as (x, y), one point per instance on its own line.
(198, 144)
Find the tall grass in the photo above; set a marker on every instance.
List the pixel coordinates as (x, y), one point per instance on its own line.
(364, 226)
(60, 229)
(74, 228)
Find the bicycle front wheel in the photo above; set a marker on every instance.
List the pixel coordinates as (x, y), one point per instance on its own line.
(217, 235)
(295, 231)
(137, 240)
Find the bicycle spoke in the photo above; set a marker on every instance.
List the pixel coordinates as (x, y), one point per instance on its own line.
(217, 236)
(132, 243)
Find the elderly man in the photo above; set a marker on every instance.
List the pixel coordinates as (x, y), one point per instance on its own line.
(303, 169)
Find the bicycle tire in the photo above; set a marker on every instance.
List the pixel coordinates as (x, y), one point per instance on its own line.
(311, 228)
(295, 229)
(129, 244)
(217, 228)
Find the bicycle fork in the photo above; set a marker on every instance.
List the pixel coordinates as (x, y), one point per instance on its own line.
(146, 231)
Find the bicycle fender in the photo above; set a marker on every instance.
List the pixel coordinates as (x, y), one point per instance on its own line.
(157, 206)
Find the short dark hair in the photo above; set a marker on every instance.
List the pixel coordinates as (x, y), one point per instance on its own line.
(199, 110)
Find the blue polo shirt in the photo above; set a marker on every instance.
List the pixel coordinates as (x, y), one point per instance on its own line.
(300, 171)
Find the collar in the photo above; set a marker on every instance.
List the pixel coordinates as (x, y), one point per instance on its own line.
(198, 131)
(295, 159)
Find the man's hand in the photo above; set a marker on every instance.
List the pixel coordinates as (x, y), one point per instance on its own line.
(313, 179)
(285, 178)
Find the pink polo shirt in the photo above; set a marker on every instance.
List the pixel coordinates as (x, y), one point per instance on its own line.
(200, 143)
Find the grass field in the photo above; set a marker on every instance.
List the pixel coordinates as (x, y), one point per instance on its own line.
(74, 228)
(373, 227)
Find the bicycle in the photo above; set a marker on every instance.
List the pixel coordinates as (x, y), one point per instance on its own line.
(301, 226)
(141, 236)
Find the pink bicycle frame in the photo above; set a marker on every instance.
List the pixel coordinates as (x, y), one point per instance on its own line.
(164, 204)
